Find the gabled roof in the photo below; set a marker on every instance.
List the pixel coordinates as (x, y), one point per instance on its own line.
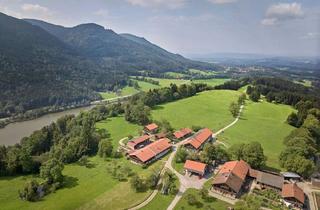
(195, 166)
(231, 180)
(182, 132)
(199, 138)
(270, 179)
(293, 191)
(233, 174)
(138, 140)
(151, 150)
(238, 168)
(151, 126)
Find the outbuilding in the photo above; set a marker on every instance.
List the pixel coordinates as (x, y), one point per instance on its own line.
(194, 167)
(293, 195)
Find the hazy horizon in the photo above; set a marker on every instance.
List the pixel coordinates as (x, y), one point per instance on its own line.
(275, 28)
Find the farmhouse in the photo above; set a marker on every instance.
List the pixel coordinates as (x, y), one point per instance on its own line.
(183, 133)
(197, 141)
(231, 177)
(151, 152)
(151, 128)
(193, 167)
(293, 195)
(139, 142)
(267, 180)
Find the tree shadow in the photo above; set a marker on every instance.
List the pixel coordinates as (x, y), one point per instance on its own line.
(158, 107)
(70, 182)
(271, 169)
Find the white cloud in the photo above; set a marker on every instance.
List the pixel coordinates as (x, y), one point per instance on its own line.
(34, 8)
(171, 4)
(269, 21)
(311, 35)
(222, 1)
(280, 12)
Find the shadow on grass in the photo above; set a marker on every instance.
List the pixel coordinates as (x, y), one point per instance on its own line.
(157, 107)
(70, 182)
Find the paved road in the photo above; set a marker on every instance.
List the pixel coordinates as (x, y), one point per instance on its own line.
(188, 182)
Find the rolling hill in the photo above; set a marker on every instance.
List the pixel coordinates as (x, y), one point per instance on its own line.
(42, 64)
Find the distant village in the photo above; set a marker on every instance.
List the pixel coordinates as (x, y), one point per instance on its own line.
(231, 179)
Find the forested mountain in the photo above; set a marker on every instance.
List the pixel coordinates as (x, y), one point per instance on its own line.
(122, 52)
(42, 64)
(37, 69)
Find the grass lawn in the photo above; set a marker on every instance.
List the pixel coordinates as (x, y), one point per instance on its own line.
(175, 74)
(167, 82)
(118, 128)
(86, 188)
(213, 202)
(107, 95)
(211, 82)
(146, 86)
(208, 109)
(263, 122)
(160, 201)
(124, 92)
(200, 72)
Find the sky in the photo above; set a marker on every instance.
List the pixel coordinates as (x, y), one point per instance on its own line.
(193, 27)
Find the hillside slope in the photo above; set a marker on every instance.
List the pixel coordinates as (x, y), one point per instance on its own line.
(37, 69)
(122, 52)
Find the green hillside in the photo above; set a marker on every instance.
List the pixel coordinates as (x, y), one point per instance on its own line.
(263, 122)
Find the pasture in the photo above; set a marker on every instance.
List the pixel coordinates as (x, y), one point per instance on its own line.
(85, 187)
(207, 109)
(265, 123)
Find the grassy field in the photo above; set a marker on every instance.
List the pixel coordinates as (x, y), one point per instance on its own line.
(124, 92)
(208, 109)
(211, 82)
(146, 86)
(263, 122)
(86, 187)
(213, 203)
(200, 72)
(161, 201)
(166, 82)
(175, 74)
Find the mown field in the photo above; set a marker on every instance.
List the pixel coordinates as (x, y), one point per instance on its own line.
(213, 203)
(263, 122)
(208, 109)
(86, 187)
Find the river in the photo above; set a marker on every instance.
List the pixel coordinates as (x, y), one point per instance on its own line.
(14, 132)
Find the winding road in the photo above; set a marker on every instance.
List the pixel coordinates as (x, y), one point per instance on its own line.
(185, 181)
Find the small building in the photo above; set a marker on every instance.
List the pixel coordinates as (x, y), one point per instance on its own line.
(139, 142)
(291, 176)
(293, 195)
(231, 177)
(151, 152)
(182, 133)
(151, 128)
(268, 180)
(194, 167)
(197, 141)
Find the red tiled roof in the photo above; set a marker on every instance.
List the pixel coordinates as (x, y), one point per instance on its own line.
(231, 180)
(151, 126)
(293, 191)
(138, 140)
(233, 174)
(195, 166)
(239, 168)
(199, 138)
(183, 132)
(151, 150)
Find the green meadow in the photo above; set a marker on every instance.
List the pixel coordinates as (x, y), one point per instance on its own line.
(213, 203)
(85, 187)
(265, 123)
(208, 109)
(211, 82)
